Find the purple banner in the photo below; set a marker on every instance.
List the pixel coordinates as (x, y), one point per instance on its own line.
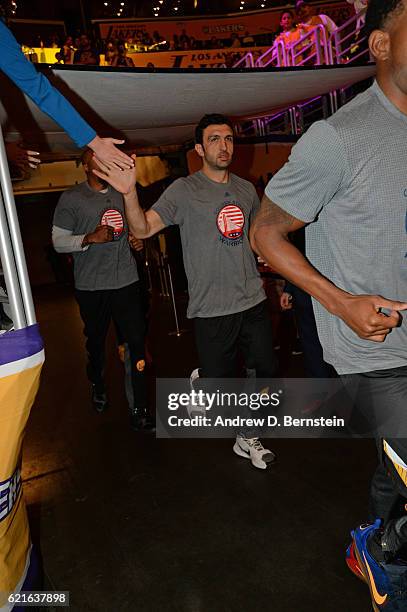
(16, 345)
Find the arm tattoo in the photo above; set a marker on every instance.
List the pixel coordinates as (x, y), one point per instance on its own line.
(271, 214)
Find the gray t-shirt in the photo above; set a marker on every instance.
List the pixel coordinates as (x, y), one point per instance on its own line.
(214, 220)
(347, 178)
(102, 266)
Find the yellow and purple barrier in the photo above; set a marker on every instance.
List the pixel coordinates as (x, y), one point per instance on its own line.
(21, 359)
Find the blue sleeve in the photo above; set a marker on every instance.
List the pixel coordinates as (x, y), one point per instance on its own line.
(39, 89)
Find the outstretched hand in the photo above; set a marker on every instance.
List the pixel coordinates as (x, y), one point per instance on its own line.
(121, 180)
(21, 157)
(106, 151)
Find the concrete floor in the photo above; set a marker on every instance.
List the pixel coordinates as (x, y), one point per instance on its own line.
(126, 522)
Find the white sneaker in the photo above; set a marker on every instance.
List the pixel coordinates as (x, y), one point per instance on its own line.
(194, 376)
(198, 409)
(253, 449)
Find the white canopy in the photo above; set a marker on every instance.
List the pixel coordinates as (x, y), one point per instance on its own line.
(158, 108)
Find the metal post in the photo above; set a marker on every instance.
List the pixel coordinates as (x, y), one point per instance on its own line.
(317, 46)
(164, 272)
(178, 332)
(16, 242)
(163, 276)
(335, 46)
(10, 272)
(293, 120)
(333, 98)
(260, 127)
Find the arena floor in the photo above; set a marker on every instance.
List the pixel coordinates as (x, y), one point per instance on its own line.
(126, 522)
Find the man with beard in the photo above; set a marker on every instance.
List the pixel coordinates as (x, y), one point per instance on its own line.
(90, 223)
(213, 209)
(86, 55)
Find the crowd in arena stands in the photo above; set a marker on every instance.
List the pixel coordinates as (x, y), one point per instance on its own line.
(294, 27)
(85, 50)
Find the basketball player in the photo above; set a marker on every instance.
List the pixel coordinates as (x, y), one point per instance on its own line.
(346, 180)
(213, 209)
(90, 223)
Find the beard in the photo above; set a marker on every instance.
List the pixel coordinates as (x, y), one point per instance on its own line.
(218, 164)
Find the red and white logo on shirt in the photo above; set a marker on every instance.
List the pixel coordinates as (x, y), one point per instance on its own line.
(230, 222)
(114, 218)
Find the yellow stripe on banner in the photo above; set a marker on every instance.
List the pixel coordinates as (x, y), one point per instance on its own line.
(401, 471)
(17, 394)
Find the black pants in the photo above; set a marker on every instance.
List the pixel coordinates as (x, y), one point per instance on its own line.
(219, 339)
(382, 398)
(123, 306)
(314, 363)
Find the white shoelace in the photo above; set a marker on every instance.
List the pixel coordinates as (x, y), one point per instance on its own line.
(255, 443)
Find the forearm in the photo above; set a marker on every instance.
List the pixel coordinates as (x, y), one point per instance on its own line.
(136, 217)
(276, 249)
(66, 242)
(52, 102)
(40, 90)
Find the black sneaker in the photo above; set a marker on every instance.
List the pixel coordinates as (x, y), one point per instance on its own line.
(297, 348)
(140, 420)
(99, 399)
(149, 423)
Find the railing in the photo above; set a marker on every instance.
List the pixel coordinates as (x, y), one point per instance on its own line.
(247, 60)
(316, 47)
(275, 55)
(311, 48)
(345, 45)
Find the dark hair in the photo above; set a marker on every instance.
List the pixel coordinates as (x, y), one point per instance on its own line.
(287, 11)
(206, 121)
(378, 12)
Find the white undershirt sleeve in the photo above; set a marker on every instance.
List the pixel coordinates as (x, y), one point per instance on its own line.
(65, 241)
